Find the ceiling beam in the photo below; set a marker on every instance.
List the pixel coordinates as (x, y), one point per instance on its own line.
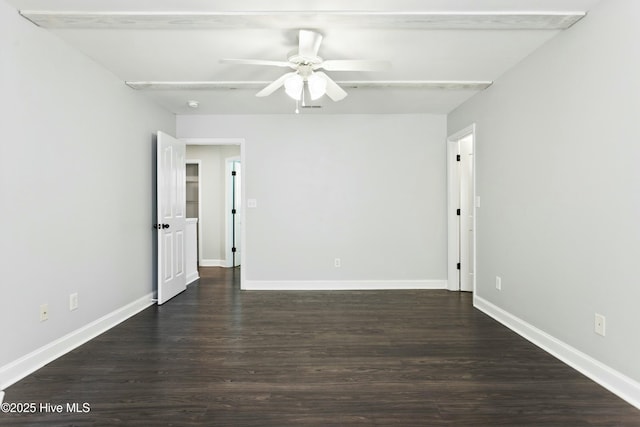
(303, 19)
(351, 84)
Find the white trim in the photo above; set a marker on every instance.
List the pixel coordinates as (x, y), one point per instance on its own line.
(614, 381)
(213, 141)
(192, 278)
(213, 263)
(20, 368)
(341, 285)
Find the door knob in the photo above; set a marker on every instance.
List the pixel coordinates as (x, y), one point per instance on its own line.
(165, 226)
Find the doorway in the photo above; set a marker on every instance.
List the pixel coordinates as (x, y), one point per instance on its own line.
(461, 213)
(217, 202)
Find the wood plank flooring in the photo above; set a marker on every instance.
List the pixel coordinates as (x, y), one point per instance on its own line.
(215, 356)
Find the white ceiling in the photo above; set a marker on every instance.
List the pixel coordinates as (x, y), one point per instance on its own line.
(425, 40)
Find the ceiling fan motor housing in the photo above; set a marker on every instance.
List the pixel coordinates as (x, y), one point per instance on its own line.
(297, 59)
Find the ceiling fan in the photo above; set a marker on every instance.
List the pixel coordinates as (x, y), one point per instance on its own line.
(306, 65)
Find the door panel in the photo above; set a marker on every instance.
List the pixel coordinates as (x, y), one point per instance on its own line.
(466, 216)
(171, 225)
(233, 185)
(237, 202)
(180, 253)
(168, 257)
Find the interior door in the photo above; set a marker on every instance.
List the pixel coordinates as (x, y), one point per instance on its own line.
(466, 214)
(233, 204)
(171, 220)
(237, 217)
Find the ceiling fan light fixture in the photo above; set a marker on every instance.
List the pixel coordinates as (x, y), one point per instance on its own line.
(293, 86)
(317, 86)
(307, 66)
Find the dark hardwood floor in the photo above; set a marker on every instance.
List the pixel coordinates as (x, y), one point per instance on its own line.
(215, 356)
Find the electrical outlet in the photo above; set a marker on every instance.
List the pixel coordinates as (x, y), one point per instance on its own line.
(73, 301)
(337, 263)
(44, 312)
(499, 283)
(599, 324)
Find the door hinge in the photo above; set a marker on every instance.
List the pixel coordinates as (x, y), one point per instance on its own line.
(458, 212)
(233, 173)
(233, 211)
(458, 158)
(458, 267)
(233, 249)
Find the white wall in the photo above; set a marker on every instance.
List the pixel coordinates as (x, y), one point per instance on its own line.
(370, 190)
(212, 188)
(75, 185)
(557, 172)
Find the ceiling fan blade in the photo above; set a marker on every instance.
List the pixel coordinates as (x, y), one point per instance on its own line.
(275, 85)
(309, 43)
(354, 65)
(257, 62)
(335, 92)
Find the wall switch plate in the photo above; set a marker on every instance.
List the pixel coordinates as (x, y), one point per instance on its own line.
(73, 301)
(599, 324)
(499, 283)
(44, 312)
(337, 262)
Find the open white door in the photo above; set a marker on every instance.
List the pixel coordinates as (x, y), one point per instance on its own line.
(236, 199)
(171, 219)
(467, 212)
(461, 210)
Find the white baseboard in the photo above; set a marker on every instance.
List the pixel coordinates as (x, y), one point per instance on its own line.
(20, 368)
(213, 263)
(617, 383)
(192, 278)
(341, 285)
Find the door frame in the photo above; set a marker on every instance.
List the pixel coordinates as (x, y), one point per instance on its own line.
(453, 197)
(241, 143)
(228, 218)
